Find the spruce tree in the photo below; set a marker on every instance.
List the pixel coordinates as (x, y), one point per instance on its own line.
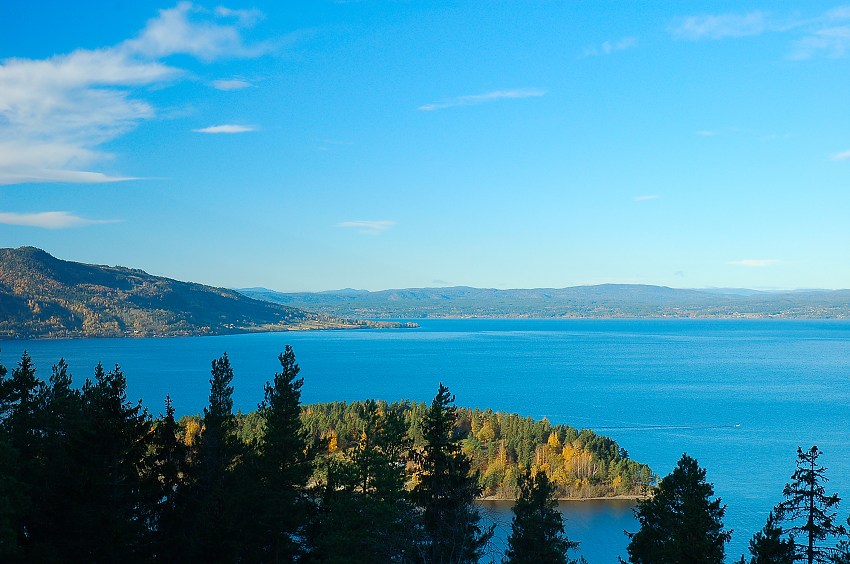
(810, 512)
(365, 515)
(118, 492)
(768, 547)
(284, 465)
(170, 460)
(680, 523)
(57, 498)
(214, 502)
(446, 489)
(13, 503)
(537, 529)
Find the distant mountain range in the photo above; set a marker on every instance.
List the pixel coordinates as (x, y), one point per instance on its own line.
(43, 296)
(601, 301)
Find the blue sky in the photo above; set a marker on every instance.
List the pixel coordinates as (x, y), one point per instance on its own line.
(321, 145)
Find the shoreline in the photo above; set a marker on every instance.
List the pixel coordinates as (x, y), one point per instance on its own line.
(631, 497)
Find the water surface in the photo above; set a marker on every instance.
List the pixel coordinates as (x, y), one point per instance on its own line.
(738, 395)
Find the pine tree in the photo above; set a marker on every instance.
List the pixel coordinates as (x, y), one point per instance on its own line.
(56, 499)
(537, 529)
(214, 503)
(171, 459)
(680, 523)
(365, 515)
(118, 493)
(13, 502)
(768, 547)
(285, 464)
(446, 489)
(808, 509)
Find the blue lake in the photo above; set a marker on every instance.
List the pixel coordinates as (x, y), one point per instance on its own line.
(738, 395)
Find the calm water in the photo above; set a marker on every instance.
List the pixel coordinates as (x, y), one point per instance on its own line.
(740, 396)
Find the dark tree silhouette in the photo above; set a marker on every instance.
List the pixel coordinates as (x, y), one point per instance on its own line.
(768, 547)
(285, 464)
(680, 523)
(537, 529)
(213, 500)
(364, 512)
(446, 489)
(810, 512)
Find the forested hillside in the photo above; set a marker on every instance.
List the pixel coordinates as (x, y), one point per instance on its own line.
(580, 463)
(42, 296)
(88, 476)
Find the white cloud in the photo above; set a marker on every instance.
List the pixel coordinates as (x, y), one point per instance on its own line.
(231, 84)
(368, 227)
(173, 31)
(226, 128)
(720, 26)
(645, 198)
(755, 263)
(474, 99)
(842, 156)
(56, 113)
(50, 220)
(707, 133)
(608, 47)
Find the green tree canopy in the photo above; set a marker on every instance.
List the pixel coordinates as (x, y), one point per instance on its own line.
(537, 529)
(446, 489)
(808, 509)
(680, 523)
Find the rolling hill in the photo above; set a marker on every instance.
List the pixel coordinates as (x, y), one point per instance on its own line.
(601, 301)
(43, 296)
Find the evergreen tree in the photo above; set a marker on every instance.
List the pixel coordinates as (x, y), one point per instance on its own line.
(768, 547)
(118, 493)
(285, 464)
(13, 503)
(680, 523)
(23, 417)
(214, 502)
(537, 529)
(446, 489)
(171, 458)
(56, 498)
(365, 515)
(808, 509)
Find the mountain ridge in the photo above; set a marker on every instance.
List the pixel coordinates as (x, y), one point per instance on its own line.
(42, 296)
(592, 301)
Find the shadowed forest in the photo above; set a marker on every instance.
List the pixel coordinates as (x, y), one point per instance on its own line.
(88, 476)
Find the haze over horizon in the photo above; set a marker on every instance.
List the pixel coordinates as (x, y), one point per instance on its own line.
(384, 145)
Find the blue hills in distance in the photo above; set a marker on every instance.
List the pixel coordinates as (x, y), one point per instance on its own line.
(598, 301)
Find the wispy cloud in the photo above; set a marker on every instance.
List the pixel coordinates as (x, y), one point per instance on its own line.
(842, 156)
(50, 220)
(226, 128)
(832, 41)
(57, 113)
(645, 198)
(707, 133)
(368, 227)
(754, 263)
(475, 99)
(719, 26)
(608, 47)
(826, 34)
(246, 18)
(231, 84)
